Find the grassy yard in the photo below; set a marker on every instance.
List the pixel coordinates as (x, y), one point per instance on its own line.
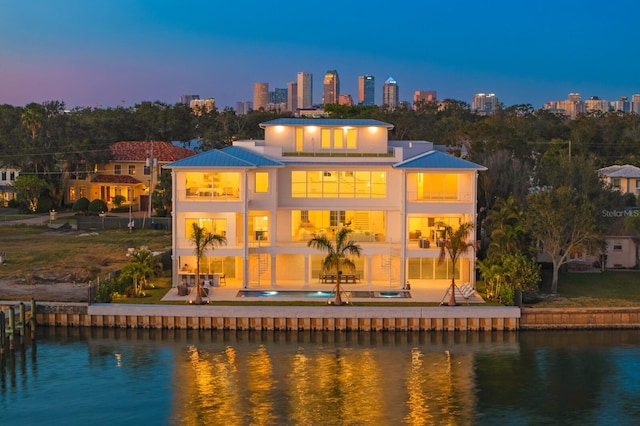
(38, 249)
(606, 289)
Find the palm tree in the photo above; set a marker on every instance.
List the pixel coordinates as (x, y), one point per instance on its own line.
(143, 265)
(336, 256)
(455, 245)
(201, 239)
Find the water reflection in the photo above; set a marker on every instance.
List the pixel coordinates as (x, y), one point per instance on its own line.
(265, 378)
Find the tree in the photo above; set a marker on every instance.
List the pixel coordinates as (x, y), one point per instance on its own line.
(143, 266)
(505, 223)
(455, 244)
(28, 190)
(512, 272)
(201, 240)
(336, 257)
(562, 221)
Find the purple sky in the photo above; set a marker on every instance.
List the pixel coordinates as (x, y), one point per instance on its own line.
(112, 52)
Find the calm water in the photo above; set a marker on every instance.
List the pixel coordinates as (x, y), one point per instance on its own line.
(153, 377)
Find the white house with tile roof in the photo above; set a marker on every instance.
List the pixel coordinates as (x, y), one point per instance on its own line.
(313, 176)
(624, 178)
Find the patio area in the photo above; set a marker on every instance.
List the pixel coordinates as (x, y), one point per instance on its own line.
(322, 292)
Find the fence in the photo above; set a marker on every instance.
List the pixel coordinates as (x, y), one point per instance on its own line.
(92, 223)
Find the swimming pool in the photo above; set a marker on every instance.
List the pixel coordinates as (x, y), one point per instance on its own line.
(319, 294)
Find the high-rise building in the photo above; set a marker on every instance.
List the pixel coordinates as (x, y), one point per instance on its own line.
(635, 104)
(484, 103)
(366, 90)
(621, 104)
(278, 96)
(594, 104)
(423, 97)
(198, 106)
(345, 99)
(390, 96)
(243, 107)
(260, 95)
(292, 95)
(305, 90)
(186, 99)
(331, 87)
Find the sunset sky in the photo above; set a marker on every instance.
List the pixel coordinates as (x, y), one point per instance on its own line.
(121, 52)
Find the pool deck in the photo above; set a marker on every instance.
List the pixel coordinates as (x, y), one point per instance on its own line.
(432, 294)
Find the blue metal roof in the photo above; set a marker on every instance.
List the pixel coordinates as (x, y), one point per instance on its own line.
(437, 160)
(232, 156)
(213, 158)
(355, 122)
(252, 157)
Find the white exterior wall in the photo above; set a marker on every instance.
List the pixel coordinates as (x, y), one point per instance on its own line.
(291, 260)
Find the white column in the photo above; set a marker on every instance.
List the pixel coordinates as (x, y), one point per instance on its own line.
(403, 230)
(245, 231)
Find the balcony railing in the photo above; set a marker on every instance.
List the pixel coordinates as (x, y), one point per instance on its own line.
(442, 196)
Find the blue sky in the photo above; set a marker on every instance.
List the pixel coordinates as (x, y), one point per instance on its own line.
(113, 52)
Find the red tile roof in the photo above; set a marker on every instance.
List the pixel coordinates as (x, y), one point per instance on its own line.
(122, 179)
(140, 151)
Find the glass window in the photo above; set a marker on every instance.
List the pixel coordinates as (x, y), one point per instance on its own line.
(351, 139)
(299, 139)
(215, 226)
(262, 182)
(117, 169)
(342, 184)
(338, 138)
(132, 169)
(326, 138)
(298, 184)
(72, 194)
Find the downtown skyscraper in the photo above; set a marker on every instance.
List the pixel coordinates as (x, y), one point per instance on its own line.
(366, 90)
(331, 88)
(390, 96)
(305, 90)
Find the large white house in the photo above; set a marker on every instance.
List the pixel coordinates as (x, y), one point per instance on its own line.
(313, 176)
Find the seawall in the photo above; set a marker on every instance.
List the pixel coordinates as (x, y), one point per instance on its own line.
(332, 318)
(321, 318)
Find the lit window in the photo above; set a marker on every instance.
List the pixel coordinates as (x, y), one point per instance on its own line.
(262, 182)
(132, 169)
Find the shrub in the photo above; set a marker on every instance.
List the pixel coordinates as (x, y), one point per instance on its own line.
(45, 204)
(81, 205)
(97, 206)
(117, 200)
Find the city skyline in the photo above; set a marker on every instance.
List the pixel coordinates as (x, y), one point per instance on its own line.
(125, 52)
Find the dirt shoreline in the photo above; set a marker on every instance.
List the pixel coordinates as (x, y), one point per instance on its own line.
(44, 292)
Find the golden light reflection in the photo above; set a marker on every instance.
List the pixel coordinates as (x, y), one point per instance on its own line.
(259, 384)
(267, 384)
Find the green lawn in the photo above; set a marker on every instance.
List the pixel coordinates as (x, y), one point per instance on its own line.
(606, 289)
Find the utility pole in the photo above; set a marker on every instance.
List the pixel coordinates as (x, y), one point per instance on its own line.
(151, 164)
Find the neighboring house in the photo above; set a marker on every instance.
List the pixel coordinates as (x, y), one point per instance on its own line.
(311, 177)
(7, 176)
(622, 251)
(624, 178)
(130, 173)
